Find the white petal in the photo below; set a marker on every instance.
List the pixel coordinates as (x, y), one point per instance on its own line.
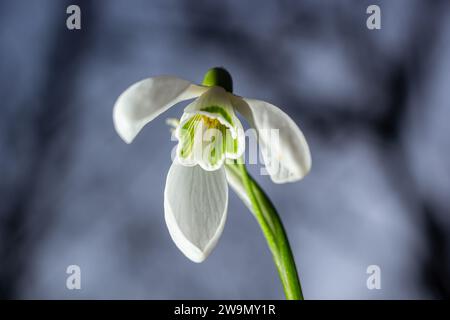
(195, 205)
(215, 97)
(147, 99)
(206, 142)
(287, 158)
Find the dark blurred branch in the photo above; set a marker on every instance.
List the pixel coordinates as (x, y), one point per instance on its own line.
(54, 126)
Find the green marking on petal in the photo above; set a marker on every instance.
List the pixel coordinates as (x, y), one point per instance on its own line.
(221, 111)
(230, 145)
(235, 146)
(216, 138)
(187, 135)
(216, 146)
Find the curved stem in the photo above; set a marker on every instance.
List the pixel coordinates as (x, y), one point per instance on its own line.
(273, 230)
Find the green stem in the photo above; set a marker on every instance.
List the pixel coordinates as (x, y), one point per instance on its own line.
(263, 209)
(273, 230)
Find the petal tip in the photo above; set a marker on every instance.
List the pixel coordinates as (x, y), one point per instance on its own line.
(180, 186)
(192, 252)
(121, 123)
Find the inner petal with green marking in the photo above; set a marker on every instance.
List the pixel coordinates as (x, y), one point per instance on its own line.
(209, 131)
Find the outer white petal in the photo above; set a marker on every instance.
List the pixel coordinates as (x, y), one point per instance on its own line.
(147, 99)
(195, 205)
(289, 158)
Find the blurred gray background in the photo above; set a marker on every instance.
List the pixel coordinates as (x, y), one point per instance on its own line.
(374, 106)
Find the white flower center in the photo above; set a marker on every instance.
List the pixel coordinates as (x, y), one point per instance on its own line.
(209, 132)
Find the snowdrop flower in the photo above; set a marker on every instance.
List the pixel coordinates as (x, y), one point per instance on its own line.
(196, 191)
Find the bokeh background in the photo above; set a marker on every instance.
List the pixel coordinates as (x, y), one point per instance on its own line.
(374, 106)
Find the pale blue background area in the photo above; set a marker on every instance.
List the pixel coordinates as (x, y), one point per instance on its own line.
(374, 106)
